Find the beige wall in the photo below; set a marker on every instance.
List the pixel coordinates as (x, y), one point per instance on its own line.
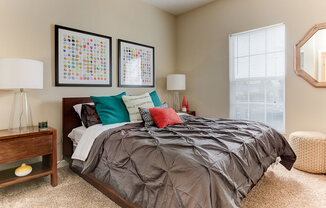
(27, 31)
(196, 42)
(202, 53)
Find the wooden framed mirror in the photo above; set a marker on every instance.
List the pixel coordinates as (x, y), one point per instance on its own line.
(311, 56)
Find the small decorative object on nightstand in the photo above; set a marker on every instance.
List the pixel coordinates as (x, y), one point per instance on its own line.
(187, 106)
(184, 105)
(23, 170)
(16, 146)
(43, 125)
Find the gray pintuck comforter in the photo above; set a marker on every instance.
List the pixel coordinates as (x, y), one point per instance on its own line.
(208, 163)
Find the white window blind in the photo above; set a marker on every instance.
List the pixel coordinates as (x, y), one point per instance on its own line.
(257, 74)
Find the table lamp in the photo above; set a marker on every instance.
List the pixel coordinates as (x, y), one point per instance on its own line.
(176, 82)
(20, 74)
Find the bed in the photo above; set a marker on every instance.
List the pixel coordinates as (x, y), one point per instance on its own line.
(212, 163)
(70, 120)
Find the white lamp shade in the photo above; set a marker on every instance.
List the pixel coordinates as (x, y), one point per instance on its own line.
(176, 82)
(21, 73)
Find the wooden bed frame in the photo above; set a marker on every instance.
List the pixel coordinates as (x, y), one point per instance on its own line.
(71, 120)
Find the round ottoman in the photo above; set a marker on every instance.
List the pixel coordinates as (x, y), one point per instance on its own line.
(310, 148)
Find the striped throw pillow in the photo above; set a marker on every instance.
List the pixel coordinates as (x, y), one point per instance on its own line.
(132, 104)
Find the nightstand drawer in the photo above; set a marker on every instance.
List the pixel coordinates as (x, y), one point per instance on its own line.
(25, 147)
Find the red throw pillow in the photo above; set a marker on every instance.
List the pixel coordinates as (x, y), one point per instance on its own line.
(164, 117)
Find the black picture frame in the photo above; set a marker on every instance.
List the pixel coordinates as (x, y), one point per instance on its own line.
(57, 59)
(120, 41)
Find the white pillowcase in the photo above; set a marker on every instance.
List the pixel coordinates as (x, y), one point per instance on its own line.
(76, 134)
(132, 104)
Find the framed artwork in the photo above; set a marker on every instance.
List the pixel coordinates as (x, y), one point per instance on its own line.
(82, 58)
(136, 65)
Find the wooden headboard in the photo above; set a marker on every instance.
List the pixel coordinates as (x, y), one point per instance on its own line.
(70, 120)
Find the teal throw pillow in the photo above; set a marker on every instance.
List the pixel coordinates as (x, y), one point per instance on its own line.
(155, 98)
(111, 109)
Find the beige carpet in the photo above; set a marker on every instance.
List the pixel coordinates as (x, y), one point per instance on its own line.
(279, 188)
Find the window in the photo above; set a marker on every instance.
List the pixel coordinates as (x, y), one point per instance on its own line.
(257, 74)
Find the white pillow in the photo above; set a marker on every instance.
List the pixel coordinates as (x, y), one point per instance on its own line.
(76, 134)
(132, 104)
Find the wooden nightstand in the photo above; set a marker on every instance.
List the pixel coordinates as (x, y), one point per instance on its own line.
(193, 113)
(16, 146)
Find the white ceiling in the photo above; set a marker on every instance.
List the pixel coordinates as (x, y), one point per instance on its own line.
(177, 7)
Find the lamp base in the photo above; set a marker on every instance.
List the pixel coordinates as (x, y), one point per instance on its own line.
(21, 116)
(176, 101)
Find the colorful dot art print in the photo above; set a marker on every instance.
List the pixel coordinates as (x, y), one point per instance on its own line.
(136, 65)
(83, 58)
